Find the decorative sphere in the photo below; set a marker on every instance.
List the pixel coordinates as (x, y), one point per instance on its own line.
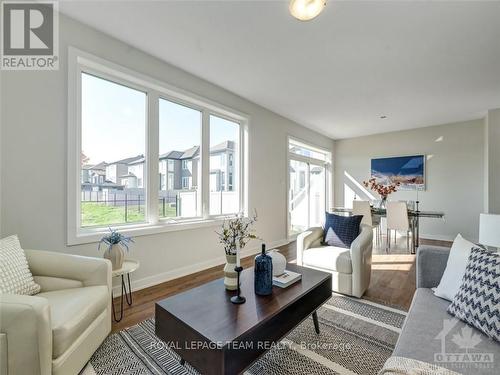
(279, 262)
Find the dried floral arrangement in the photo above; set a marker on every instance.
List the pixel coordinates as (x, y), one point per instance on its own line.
(237, 231)
(383, 190)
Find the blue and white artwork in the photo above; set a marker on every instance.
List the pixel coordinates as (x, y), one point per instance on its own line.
(409, 171)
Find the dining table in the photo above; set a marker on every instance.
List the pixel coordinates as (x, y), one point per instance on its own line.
(414, 216)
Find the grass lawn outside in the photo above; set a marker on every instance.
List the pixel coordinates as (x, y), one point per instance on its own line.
(94, 214)
(102, 214)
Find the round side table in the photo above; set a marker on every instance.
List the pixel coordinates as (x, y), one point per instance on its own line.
(129, 266)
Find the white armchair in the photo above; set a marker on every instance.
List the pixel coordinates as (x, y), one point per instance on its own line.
(57, 330)
(350, 268)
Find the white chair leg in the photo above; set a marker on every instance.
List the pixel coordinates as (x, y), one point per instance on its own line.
(388, 242)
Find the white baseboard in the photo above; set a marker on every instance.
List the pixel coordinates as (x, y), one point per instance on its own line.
(193, 268)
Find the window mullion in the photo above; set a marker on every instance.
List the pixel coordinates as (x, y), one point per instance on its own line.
(152, 157)
(205, 164)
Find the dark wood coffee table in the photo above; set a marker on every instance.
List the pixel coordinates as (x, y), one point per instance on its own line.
(218, 337)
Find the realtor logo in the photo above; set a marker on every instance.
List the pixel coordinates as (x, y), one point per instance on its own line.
(29, 36)
(463, 354)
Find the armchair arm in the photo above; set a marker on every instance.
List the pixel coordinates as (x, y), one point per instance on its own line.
(27, 334)
(306, 240)
(431, 263)
(361, 258)
(89, 271)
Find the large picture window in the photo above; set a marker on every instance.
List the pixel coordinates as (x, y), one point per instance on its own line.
(224, 146)
(180, 139)
(144, 157)
(112, 153)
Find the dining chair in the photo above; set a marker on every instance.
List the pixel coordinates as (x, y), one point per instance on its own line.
(397, 220)
(364, 209)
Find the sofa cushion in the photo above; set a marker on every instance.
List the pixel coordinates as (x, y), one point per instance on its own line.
(455, 268)
(329, 258)
(478, 299)
(15, 275)
(341, 231)
(423, 336)
(72, 311)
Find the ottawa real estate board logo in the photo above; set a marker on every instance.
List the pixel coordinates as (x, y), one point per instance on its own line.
(30, 35)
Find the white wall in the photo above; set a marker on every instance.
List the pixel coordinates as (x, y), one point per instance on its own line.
(33, 160)
(454, 172)
(492, 162)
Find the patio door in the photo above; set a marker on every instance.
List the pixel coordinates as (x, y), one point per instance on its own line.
(309, 181)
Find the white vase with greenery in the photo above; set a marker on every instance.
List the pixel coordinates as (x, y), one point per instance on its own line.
(234, 235)
(116, 243)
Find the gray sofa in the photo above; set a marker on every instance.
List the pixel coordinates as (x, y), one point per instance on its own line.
(422, 337)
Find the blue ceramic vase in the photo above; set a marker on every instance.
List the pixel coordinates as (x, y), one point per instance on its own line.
(263, 279)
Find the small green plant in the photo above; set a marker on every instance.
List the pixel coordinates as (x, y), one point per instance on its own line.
(115, 238)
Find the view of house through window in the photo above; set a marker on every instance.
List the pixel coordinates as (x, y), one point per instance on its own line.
(224, 146)
(115, 170)
(307, 193)
(112, 153)
(180, 137)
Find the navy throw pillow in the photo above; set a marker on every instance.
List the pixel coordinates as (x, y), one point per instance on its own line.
(341, 231)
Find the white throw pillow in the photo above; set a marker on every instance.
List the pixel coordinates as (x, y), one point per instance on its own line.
(455, 268)
(15, 276)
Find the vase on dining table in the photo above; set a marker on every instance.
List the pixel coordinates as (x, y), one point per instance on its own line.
(382, 203)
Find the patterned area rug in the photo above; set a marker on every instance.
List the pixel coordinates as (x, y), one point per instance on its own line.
(357, 337)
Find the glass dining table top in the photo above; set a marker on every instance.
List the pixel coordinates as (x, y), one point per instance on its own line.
(382, 212)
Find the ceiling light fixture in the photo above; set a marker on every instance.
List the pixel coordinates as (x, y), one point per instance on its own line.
(305, 10)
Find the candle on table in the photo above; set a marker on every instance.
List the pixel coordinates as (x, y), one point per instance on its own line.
(238, 253)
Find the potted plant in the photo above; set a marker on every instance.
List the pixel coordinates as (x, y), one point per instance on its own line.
(234, 235)
(116, 243)
(383, 190)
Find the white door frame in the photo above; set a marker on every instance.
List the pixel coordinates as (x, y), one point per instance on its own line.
(309, 161)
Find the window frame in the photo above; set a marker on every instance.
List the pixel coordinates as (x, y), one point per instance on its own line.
(170, 181)
(170, 163)
(82, 62)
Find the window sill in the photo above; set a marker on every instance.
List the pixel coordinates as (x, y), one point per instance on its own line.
(93, 235)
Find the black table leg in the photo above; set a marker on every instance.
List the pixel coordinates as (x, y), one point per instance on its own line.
(121, 303)
(128, 297)
(315, 321)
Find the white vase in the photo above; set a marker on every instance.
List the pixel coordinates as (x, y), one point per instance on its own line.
(230, 275)
(115, 255)
(279, 262)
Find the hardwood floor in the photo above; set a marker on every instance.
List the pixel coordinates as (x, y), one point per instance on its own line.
(392, 281)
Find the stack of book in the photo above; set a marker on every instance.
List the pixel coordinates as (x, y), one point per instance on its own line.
(287, 278)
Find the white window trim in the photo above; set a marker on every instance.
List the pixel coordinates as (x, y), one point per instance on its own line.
(79, 60)
(327, 164)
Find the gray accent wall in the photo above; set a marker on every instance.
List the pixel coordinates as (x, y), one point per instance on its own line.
(454, 172)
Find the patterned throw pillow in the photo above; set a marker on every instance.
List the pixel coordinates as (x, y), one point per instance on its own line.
(341, 231)
(478, 300)
(15, 276)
